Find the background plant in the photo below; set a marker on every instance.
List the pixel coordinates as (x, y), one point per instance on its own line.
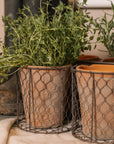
(44, 41)
(105, 29)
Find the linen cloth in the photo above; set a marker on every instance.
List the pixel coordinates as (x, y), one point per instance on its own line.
(10, 134)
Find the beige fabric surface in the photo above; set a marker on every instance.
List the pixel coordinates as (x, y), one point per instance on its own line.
(14, 135)
(18, 136)
(5, 126)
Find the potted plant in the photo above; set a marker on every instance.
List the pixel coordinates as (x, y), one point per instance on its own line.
(105, 29)
(44, 50)
(95, 87)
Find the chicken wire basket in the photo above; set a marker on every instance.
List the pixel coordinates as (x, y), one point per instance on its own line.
(44, 99)
(93, 106)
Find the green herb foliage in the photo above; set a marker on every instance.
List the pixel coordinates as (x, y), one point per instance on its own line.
(105, 29)
(44, 41)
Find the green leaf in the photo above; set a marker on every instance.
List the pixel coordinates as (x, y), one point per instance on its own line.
(98, 38)
(91, 37)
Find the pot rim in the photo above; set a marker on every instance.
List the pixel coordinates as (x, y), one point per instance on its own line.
(96, 68)
(87, 57)
(48, 67)
(108, 59)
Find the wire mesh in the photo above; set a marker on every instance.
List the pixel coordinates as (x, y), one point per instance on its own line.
(44, 99)
(93, 106)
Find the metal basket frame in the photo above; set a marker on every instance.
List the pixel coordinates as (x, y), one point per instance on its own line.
(21, 120)
(77, 126)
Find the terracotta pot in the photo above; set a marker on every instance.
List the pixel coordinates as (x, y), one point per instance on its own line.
(8, 97)
(88, 58)
(44, 92)
(108, 60)
(96, 93)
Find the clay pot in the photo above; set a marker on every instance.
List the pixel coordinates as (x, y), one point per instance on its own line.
(96, 93)
(88, 58)
(44, 92)
(8, 97)
(108, 60)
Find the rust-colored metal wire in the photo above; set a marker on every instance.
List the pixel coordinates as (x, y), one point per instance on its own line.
(93, 106)
(44, 99)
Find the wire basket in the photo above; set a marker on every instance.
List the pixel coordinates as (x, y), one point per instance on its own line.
(93, 106)
(44, 99)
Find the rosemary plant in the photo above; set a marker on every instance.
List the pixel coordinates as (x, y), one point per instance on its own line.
(43, 41)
